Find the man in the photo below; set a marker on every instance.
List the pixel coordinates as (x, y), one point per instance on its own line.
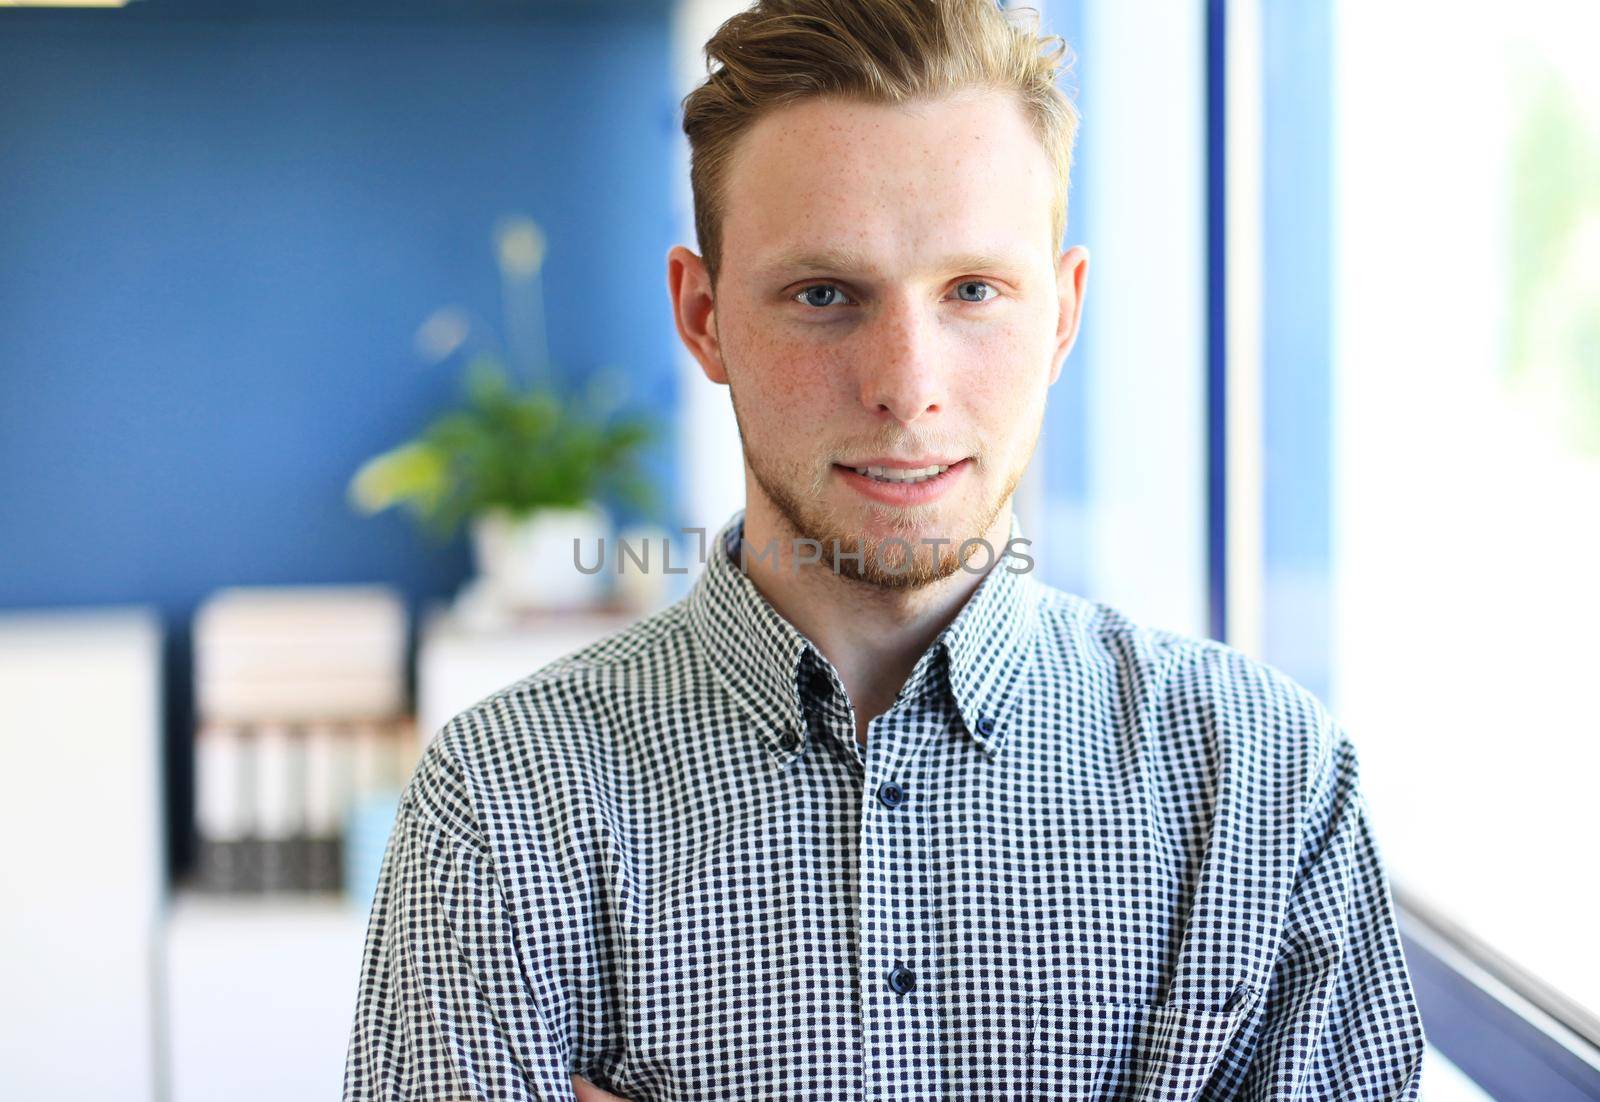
(872, 812)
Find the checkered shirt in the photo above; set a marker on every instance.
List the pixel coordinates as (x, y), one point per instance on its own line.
(1077, 858)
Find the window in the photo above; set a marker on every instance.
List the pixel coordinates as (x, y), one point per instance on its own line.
(1465, 460)
(1415, 527)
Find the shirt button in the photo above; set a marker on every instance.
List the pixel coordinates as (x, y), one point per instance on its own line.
(891, 794)
(986, 725)
(901, 979)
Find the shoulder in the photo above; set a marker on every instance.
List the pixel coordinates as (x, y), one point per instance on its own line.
(539, 742)
(1187, 695)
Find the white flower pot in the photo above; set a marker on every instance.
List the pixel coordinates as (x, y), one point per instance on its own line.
(527, 562)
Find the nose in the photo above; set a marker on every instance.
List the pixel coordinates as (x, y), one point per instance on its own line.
(902, 370)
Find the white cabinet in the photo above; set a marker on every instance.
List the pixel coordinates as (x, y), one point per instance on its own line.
(261, 994)
(82, 881)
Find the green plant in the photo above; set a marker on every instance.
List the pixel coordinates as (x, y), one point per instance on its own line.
(514, 447)
(510, 448)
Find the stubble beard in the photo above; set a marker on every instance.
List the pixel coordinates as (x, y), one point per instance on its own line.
(880, 563)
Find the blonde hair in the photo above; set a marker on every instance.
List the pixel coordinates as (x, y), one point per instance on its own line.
(778, 52)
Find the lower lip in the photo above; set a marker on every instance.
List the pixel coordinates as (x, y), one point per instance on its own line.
(905, 493)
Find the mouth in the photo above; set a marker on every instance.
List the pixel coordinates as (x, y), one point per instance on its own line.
(886, 469)
(901, 483)
(902, 474)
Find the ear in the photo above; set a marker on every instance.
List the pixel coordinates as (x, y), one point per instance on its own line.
(694, 311)
(1072, 275)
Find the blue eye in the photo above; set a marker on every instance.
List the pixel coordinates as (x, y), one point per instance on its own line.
(810, 294)
(822, 295)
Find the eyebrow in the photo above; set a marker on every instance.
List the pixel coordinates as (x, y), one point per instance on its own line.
(851, 260)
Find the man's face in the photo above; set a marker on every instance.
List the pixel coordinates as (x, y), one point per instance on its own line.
(889, 293)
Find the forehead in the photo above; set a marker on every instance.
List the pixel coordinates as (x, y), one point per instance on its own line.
(899, 183)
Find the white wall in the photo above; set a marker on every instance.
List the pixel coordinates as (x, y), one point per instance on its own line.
(1143, 171)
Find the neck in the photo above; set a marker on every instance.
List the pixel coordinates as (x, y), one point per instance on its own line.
(872, 635)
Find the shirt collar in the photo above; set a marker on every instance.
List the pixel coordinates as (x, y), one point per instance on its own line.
(761, 658)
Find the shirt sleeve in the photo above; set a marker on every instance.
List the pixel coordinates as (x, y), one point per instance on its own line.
(444, 1012)
(1341, 1018)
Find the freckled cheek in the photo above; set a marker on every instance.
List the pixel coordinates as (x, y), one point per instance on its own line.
(1003, 375)
(788, 378)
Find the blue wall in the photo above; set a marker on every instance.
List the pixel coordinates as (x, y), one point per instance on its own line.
(217, 239)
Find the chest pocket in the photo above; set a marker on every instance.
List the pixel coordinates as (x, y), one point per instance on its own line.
(1083, 1049)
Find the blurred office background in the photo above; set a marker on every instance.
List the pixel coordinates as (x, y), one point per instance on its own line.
(1336, 401)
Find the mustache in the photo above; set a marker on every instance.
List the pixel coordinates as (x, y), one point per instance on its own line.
(911, 449)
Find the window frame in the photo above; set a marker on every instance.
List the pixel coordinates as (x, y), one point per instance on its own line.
(1512, 1034)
